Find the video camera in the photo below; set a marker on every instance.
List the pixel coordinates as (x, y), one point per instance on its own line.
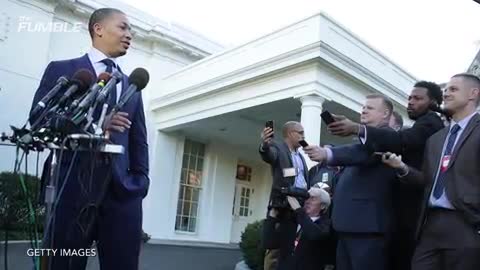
(279, 196)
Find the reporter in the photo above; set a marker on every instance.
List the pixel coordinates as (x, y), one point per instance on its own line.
(307, 247)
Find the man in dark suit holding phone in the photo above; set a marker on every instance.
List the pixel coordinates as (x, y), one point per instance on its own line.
(449, 229)
(362, 212)
(410, 143)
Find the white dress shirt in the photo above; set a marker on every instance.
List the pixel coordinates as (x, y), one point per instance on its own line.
(96, 57)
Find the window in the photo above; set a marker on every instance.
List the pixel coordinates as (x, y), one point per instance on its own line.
(244, 202)
(190, 186)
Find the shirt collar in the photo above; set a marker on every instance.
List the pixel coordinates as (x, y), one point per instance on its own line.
(462, 123)
(96, 56)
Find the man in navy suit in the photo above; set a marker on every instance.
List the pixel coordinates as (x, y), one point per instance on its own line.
(113, 217)
(362, 212)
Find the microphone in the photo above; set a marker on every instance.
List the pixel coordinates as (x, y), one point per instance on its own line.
(138, 80)
(79, 84)
(90, 97)
(103, 78)
(61, 82)
(112, 83)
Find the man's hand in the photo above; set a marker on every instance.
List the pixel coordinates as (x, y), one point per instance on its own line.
(267, 136)
(393, 161)
(316, 153)
(294, 204)
(343, 126)
(273, 213)
(117, 122)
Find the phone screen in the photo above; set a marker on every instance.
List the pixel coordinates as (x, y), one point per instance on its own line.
(327, 117)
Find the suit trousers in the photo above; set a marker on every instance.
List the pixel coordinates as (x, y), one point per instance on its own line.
(362, 251)
(89, 211)
(447, 242)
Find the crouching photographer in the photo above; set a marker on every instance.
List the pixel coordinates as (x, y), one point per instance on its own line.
(307, 246)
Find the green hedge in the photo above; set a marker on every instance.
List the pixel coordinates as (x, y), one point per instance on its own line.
(14, 211)
(251, 247)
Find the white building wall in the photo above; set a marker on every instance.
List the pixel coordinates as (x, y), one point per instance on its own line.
(25, 54)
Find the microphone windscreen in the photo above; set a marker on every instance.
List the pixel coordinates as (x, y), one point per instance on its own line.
(104, 76)
(83, 78)
(139, 77)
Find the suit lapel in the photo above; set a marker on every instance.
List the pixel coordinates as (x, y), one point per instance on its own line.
(84, 62)
(472, 124)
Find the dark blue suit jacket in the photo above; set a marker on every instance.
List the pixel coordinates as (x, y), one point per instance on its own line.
(130, 170)
(362, 202)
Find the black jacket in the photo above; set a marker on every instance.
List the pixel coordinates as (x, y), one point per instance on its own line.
(312, 248)
(410, 143)
(278, 155)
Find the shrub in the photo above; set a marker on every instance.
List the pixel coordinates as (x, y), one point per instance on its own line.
(14, 212)
(251, 247)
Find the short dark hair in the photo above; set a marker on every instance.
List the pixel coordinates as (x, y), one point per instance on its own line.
(398, 118)
(473, 79)
(100, 15)
(470, 77)
(386, 101)
(434, 91)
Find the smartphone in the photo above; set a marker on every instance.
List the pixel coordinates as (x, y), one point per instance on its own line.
(303, 143)
(269, 124)
(327, 117)
(380, 154)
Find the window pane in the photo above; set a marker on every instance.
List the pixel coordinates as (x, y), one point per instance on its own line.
(183, 176)
(193, 222)
(193, 213)
(200, 165)
(178, 223)
(186, 208)
(179, 207)
(196, 194)
(188, 146)
(188, 193)
(194, 149)
(201, 150)
(181, 193)
(248, 192)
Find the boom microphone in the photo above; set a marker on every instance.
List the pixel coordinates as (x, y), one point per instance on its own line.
(138, 80)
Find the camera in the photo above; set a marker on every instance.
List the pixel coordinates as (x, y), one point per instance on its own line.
(279, 196)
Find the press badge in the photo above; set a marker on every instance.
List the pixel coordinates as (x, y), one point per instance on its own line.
(445, 162)
(289, 172)
(325, 177)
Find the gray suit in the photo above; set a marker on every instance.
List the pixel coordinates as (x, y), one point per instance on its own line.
(450, 239)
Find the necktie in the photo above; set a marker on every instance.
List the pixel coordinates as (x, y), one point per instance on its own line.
(112, 97)
(110, 65)
(440, 185)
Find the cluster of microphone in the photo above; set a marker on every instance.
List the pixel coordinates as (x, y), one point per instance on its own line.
(72, 105)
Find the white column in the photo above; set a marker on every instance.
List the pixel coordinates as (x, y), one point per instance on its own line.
(311, 121)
